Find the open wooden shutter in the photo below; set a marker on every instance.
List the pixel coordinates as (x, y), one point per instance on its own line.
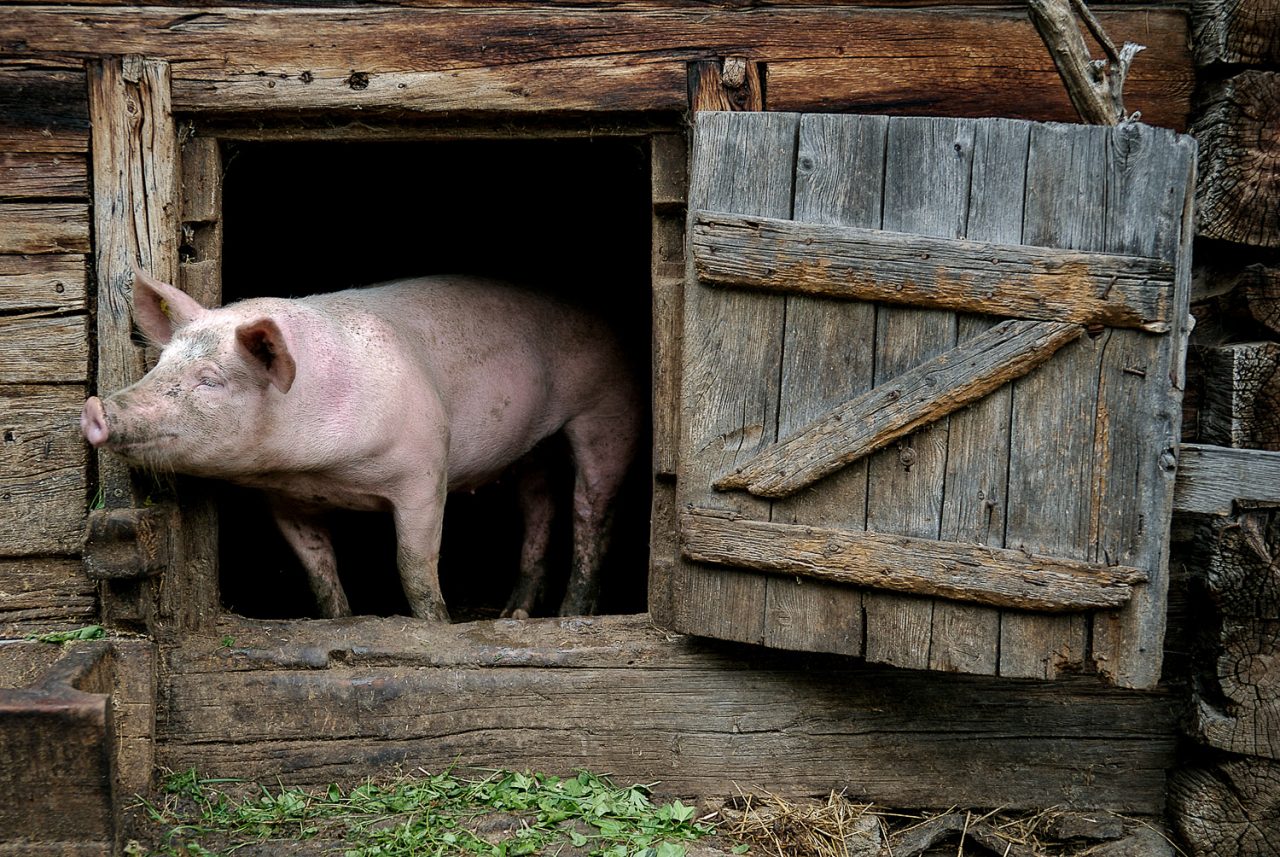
(931, 389)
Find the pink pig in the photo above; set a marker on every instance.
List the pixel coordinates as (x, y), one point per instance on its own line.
(384, 398)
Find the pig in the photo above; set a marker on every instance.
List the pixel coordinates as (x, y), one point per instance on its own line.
(385, 398)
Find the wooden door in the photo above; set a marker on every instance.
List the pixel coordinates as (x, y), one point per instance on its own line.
(931, 390)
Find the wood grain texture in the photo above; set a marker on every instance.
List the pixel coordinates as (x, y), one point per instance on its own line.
(826, 357)
(43, 110)
(1235, 32)
(1048, 505)
(1211, 478)
(979, 574)
(43, 593)
(43, 175)
(1241, 403)
(135, 188)
(601, 59)
(1149, 213)
(327, 699)
(43, 283)
(57, 783)
(732, 351)
(966, 637)
(668, 168)
(61, 342)
(946, 273)
(44, 227)
(892, 410)
(1237, 703)
(1238, 126)
(1228, 809)
(926, 169)
(732, 83)
(42, 470)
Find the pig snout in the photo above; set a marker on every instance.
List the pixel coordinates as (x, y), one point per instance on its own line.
(93, 422)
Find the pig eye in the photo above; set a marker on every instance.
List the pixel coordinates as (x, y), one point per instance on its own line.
(210, 381)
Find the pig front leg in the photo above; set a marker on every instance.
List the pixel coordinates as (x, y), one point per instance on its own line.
(419, 520)
(309, 538)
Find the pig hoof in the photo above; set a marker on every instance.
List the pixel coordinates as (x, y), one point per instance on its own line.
(519, 613)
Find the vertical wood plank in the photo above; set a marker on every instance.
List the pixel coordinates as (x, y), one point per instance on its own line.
(135, 195)
(1052, 427)
(189, 589)
(1150, 172)
(135, 207)
(668, 165)
(966, 638)
(732, 351)
(926, 179)
(827, 358)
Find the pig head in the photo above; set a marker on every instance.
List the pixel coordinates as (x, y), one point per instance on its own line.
(384, 398)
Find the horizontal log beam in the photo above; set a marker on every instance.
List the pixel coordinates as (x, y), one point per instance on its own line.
(43, 175)
(35, 227)
(1212, 478)
(313, 701)
(626, 54)
(955, 274)
(43, 283)
(997, 577)
(901, 406)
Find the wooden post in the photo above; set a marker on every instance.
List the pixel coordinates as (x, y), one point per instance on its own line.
(734, 83)
(135, 195)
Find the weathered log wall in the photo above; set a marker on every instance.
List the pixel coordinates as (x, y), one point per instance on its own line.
(44, 345)
(526, 60)
(1223, 800)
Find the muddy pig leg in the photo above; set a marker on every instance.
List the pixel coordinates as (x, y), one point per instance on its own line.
(537, 510)
(602, 450)
(419, 518)
(309, 538)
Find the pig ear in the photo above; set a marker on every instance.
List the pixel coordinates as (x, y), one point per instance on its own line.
(264, 342)
(160, 309)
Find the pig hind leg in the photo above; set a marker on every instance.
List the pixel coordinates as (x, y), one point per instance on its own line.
(603, 446)
(537, 509)
(309, 538)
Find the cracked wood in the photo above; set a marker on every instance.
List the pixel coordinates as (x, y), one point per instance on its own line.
(979, 574)
(970, 276)
(900, 406)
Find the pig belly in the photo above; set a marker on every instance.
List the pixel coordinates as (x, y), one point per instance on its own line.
(314, 492)
(490, 432)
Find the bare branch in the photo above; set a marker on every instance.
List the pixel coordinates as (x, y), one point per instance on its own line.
(1095, 87)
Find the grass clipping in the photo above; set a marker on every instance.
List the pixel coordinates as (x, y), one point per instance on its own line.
(502, 814)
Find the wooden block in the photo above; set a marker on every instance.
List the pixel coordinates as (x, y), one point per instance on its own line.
(1212, 478)
(1240, 558)
(1239, 131)
(1241, 404)
(56, 780)
(1235, 32)
(1228, 809)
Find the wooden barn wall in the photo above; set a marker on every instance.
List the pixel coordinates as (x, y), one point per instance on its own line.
(44, 342)
(518, 60)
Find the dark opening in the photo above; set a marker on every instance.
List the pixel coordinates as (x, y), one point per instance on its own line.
(569, 216)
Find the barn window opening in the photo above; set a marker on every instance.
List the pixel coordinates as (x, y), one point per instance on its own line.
(567, 216)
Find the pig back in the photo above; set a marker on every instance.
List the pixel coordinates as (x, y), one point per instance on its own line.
(510, 366)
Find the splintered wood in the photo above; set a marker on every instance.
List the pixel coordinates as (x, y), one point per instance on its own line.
(868, 466)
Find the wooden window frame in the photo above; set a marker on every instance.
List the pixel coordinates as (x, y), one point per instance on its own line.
(158, 190)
